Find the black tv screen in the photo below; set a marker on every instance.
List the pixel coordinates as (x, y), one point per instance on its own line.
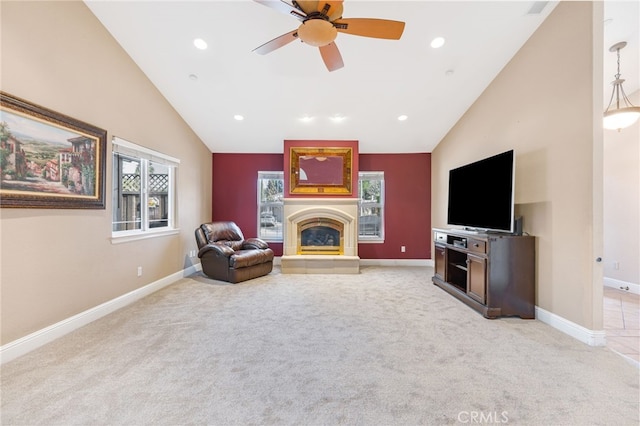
(481, 194)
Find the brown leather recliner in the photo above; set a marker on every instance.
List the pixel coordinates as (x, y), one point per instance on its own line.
(226, 256)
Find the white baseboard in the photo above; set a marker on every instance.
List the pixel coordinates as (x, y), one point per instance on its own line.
(26, 344)
(22, 346)
(590, 337)
(381, 262)
(396, 262)
(621, 285)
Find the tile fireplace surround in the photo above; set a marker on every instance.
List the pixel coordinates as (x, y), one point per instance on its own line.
(299, 210)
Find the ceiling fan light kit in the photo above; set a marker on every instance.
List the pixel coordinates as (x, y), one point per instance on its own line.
(321, 22)
(317, 32)
(625, 114)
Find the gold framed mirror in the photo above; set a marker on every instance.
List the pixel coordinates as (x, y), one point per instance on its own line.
(320, 170)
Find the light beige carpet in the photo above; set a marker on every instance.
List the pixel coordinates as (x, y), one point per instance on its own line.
(385, 347)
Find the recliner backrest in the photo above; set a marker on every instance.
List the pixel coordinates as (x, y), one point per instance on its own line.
(222, 231)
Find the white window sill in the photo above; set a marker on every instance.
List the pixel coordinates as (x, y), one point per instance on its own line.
(128, 237)
(372, 241)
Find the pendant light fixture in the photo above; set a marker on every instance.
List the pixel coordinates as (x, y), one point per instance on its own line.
(624, 115)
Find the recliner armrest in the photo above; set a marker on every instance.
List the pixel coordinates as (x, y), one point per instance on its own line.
(218, 249)
(254, 243)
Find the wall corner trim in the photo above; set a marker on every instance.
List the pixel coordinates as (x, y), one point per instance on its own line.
(590, 337)
(26, 344)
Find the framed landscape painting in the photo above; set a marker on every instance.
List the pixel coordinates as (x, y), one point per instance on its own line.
(49, 160)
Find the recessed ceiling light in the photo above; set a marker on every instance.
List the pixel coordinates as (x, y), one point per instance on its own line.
(338, 118)
(437, 42)
(200, 43)
(306, 118)
(402, 117)
(193, 77)
(238, 117)
(448, 73)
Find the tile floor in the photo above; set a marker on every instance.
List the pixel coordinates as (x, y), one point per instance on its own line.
(622, 322)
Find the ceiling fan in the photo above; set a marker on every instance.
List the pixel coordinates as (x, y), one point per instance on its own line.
(321, 22)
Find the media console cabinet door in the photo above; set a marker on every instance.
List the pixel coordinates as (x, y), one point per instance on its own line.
(440, 262)
(476, 277)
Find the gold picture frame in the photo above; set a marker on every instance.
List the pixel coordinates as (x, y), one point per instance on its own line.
(321, 170)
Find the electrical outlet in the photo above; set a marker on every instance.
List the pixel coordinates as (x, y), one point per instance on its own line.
(403, 249)
(139, 271)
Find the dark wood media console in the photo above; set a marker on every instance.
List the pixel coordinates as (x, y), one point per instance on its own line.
(492, 273)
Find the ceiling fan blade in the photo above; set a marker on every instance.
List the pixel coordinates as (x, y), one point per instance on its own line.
(331, 57)
(306, 6)
(369, 27)
(277, 42)
(284, 7)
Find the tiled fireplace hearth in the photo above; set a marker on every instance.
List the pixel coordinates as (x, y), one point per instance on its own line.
(320, 236)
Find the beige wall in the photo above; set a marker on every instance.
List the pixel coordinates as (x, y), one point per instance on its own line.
(622, 201)
(543, 106)
(57, 263)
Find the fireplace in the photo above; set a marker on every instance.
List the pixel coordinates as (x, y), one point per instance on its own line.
(320, 236)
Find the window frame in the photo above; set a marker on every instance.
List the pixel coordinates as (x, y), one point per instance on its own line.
(372, 175)
(279, 235)
(146, 157)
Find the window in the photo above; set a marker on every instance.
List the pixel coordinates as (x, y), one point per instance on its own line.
(371, 206)
(143, 190)
(270, 205)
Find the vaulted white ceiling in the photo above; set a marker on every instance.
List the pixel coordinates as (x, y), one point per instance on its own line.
(381, 79)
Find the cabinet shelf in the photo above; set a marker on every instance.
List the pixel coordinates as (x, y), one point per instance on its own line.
(460, 266)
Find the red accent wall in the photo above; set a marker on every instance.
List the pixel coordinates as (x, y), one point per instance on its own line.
(235, 186)
(407, 180)
(407, 199)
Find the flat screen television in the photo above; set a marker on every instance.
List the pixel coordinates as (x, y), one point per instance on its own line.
(481, 194)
